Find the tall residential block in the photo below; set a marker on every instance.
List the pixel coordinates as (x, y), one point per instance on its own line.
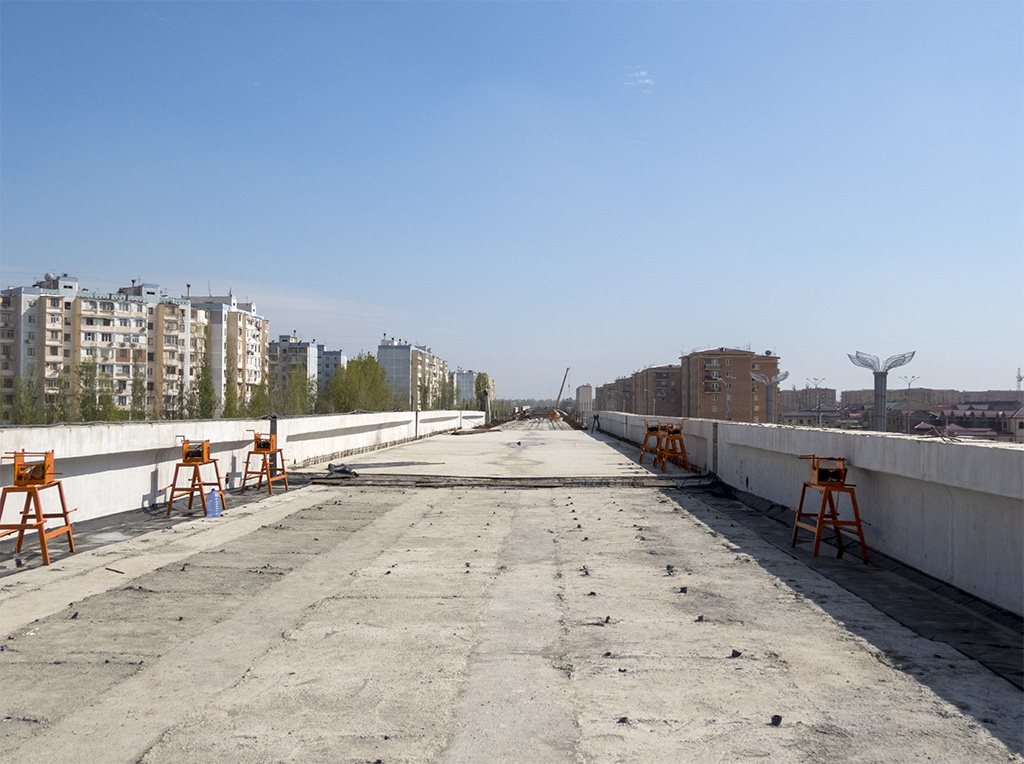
(288, 353)
(657, 391)
(716, 384)
(327, 363)
(413, 371)
(135, 334)
(239, 345)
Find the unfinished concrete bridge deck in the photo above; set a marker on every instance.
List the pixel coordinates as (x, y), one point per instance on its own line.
(457, 603)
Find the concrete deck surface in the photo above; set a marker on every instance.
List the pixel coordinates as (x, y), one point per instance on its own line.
(385, 623)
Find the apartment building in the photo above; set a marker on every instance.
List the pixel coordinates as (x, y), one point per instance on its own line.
(717, 384)
(288, 353)
(413, 371)
(239, 345)
(807, 398)
(135, 334)
(328, 362)
(464, 383)
(657, 391)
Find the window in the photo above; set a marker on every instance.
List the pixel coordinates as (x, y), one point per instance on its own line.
(53, 350)
(8, 383)
(90, 321)
(714, 409)
(728, 362)
(106, 337)
(88, 336)
(67, 337)
(31, 318)
(31, 351)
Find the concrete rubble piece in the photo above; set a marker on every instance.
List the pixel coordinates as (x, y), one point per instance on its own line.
(430, 620)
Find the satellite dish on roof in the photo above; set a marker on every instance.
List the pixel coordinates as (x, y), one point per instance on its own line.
(767, 352)
(51, 276)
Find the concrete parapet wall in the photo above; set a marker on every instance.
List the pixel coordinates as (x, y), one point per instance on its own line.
(114, 467)
(954, 510)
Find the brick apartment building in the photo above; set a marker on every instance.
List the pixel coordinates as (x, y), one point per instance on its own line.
(717, 384)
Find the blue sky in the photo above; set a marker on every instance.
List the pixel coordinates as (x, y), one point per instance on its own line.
(525, 186)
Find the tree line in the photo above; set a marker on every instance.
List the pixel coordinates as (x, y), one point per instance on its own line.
(84, 394)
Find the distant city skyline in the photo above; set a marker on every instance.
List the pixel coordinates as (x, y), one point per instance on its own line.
(813, 179)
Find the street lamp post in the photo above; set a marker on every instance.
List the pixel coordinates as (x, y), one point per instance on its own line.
(817, 397)
(769, 391)
(881, 372)
(909, 381)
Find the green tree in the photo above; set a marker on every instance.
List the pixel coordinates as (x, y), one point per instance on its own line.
(88, 391)
(26, 408)
(362, 384)
(424, 396)
(296, 393)
(232, 407)
(108, 410)
(482, 390)
(65, 399)
(259, 402)
(445, 395)
(206, 395)
(138, 400)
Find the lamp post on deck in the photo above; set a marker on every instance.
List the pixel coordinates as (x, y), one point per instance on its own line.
(817, 397)
(881, 371)
(909, 382)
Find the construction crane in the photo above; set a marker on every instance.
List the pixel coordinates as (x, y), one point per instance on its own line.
(554, 415)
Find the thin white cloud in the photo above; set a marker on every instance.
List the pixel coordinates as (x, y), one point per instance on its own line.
(638, 78)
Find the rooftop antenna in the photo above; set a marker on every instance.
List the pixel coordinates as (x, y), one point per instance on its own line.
(881, 371)
(1019, 378)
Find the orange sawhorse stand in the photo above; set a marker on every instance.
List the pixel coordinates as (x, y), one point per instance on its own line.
(655, 432)
(30, 479)
(265, 446)
(195, 455)
(672, 447)
(828, 475)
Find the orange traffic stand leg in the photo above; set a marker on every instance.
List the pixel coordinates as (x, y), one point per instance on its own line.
(33, 518)
(828, 514)
(655, 433)
(196, 485)
(265, 470)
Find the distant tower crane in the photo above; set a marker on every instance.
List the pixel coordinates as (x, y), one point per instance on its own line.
(555, 414)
